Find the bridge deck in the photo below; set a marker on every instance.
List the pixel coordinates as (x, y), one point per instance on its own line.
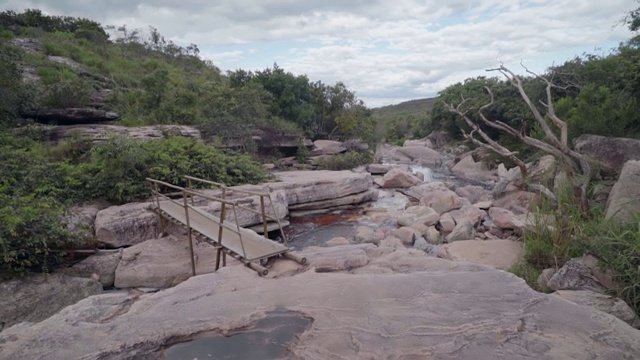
(255, 246)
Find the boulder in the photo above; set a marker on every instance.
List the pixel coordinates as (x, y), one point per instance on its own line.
(81, 219)
(337, 241)
(468, 213)
(543, 279)
(505, 219)
(542, 171)
(447, 224)
(328, 205)
(575, 275)
(365, 234)
(433, 236)
(37, 297)
(605, 303)
(125, 225)
(420, 142)
(441, 201)
(378, 169)
(422, 155)
(501, 254)
(390, 153)
(401, 304)
(474, 193)
(407, 235)
(623, 204)
(338, 258)
(468, 168)
(72, 116)
(327, 147)
(421, 190)
(103, 264)
(439, 138)
(311, 186)
(608, 154)
(462, 231)
(422, 244)
(518, 202)
(250, 213)
(391, 242)
(162, 263)
(418, 214)
(483, 205)
(398, 178)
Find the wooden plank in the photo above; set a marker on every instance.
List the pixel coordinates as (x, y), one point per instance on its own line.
(255, 246)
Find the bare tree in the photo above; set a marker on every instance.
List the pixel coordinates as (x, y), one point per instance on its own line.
(575, 165)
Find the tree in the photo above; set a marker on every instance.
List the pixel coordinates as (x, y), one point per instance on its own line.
(575, 165)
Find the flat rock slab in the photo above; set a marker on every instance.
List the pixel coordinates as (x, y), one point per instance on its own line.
(497, 253)
(311, 186)
(449, 312)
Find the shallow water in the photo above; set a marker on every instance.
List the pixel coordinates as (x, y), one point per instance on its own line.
(267, 339)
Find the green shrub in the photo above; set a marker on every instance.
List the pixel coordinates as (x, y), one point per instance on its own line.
(6, 34)
(302, 154)
(348, 160)
(67, 93)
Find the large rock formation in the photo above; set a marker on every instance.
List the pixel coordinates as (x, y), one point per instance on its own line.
(96, 132)
(608, 154)
(73, 116)
(127, 224)
(624, 200)
(501, 254)
(37, 297)
(468, 168)
(434, 309)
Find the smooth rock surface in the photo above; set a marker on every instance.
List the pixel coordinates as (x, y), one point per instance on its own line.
(473, 193)
(327, 147)
(37, 297)
(401, 305)
(399, 178)
(623, 204)
(607, 154)
(462, 231)
(418, 214)
(128, 224)
(505, 219)
(447, 224)
(575, 275)
(441, 201)
(605, 303)
(467, 168)
(500, 254)
(103, 264)
(421, 154)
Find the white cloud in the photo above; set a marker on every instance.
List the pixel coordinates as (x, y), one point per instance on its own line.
(385, 51)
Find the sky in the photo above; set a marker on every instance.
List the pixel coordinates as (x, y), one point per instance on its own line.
(386, 51)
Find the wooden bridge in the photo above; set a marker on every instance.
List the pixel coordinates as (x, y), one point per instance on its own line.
(177, 204)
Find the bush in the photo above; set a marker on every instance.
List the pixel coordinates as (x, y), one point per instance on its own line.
(67, 93)
(346, 161)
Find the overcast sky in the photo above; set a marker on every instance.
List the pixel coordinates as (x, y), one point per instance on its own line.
(386, 51)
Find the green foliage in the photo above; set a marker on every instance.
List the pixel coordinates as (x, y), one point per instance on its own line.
(15, 95)
(302, 154)
(74, 92)
(345, 161)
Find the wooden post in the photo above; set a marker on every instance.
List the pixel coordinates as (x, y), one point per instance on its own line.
(190, 188)
(224, 258)
(186, 213)
(157, 196)
(264, 217)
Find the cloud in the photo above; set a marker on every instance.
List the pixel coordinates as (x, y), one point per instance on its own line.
(385, 51)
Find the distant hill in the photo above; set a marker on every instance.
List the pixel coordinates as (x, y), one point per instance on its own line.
(399, 121)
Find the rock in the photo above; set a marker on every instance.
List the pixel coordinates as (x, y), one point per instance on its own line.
(421, 244)
(483, 205)
(162, 263)
(337, 241)
(505, 219)
(421, 190)
(501, 254)
(391, 242)
(623, 204)
(81, 219)
(398, 178)
(543, 279)
(38, 296)
(407, 235)
(439, 138)
(314, 186)
(327, 147)
(421, 142)
(365, 234)
(65, 61)
(418, 214)
(462, 231)
(473, 193)
(250, 214)
(328, 205)
(419, 175)
(447, 224)
(468, 213)
(575, 275)
(518, 202)
(542, 171)
(422, 155)
(72, 116)
(390, 153)
(338, 258)
(125, 225)
(467, 168)
(463, 311)
(103, 264)
(605, 303)
(502, 171)
(378, 169)
(29, 45)
(441, 201)
(608, 154)
(433, 236)
(99, 133)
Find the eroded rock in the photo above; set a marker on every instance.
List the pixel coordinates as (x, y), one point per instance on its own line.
(128, 224)
(623, 204)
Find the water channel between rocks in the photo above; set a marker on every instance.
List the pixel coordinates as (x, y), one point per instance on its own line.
(267, 339)
(315, 230)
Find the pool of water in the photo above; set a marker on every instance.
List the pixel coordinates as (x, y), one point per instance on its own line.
(268, 339)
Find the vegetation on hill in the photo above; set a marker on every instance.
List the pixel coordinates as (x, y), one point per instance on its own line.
(395, 122)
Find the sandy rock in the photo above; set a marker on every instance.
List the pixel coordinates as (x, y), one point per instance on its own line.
(418, 214)
(337, 241)
(103, 264)
(447, 224)
(397, 291)
(623, 204)
(162, 263)
(398, 178)
(474, 193)
(407, 235)
(38, 296)
(500, 254)
(125, 225)
(441, 201)
(462, 231)
(605, 303)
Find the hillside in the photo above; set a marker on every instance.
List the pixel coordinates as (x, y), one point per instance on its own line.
(411, 107)
(396, 122)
